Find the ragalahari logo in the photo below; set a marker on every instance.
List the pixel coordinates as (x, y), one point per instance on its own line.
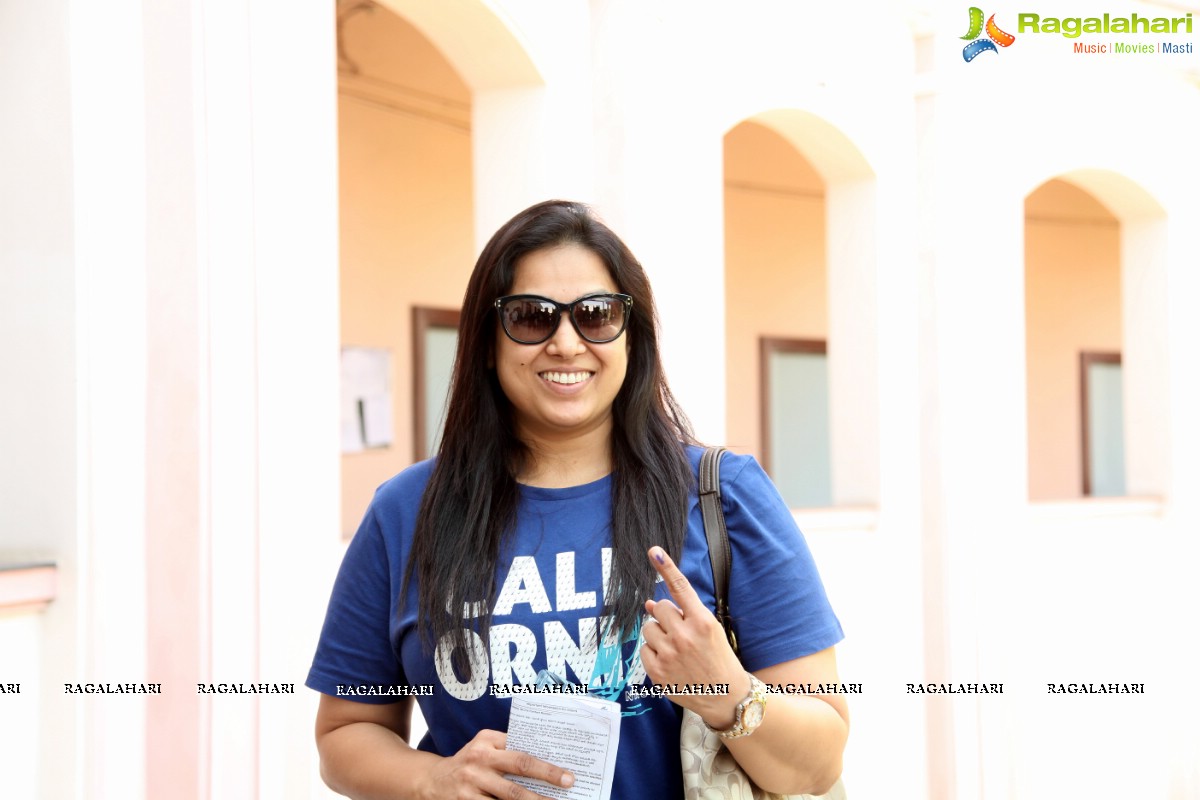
(995, 36)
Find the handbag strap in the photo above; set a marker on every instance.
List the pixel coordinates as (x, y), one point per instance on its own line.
(719, 552)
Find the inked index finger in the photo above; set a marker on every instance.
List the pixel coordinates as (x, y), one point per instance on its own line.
(677, 583)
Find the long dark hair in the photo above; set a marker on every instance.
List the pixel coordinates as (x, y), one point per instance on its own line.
(471, 499)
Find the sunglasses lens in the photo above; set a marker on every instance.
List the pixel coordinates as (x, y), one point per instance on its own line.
(528, 320)
(600, 319)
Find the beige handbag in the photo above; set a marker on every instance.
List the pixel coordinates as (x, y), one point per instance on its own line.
(710, 771)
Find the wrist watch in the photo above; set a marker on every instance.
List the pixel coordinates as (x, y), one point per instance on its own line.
(749, 713)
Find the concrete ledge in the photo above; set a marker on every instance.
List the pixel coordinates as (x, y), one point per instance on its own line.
(1095, 507)
(836, 518)
(26, 588)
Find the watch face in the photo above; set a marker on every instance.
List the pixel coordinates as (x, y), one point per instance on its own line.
(752, 717)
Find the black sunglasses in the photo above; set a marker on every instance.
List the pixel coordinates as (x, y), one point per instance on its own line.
(532, 319)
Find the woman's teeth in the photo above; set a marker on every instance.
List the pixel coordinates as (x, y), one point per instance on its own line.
(566, 377)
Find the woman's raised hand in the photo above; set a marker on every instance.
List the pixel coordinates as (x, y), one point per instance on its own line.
(478, 770)
(687, 645)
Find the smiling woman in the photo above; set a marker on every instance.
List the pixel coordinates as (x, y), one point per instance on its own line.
(566, 463)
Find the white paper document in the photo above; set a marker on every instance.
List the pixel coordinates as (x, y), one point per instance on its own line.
(577, 732)
(366, 398)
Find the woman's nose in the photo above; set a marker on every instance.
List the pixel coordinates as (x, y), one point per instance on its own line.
(566, 341)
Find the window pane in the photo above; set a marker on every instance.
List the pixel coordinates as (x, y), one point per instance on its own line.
(799, 428)
(440, 343)
(1105, 430)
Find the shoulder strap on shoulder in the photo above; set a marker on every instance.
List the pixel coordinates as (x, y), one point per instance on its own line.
(717, 534)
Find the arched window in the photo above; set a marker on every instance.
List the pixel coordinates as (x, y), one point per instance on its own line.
(802, 362)
(1072, 313)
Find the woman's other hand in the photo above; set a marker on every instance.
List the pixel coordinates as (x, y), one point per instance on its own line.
(365, 755)
(480, 768)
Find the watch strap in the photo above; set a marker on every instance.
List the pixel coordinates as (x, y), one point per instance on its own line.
(757, 694)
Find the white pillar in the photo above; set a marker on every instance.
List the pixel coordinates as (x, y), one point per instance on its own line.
(532, 135)
(974, 460)
(1182, 333)
(174, 572)
(854, 401)
(109, 129)
(667, 204)
(1145, 362)
(227, 386)
(294, 207)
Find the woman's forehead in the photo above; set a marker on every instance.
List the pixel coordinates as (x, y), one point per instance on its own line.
(562, 273)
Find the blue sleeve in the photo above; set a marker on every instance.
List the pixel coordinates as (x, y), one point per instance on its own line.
(355, 646)
(776, 598)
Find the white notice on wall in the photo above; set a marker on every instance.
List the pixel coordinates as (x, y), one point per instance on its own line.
(577, 732)
(366, 398)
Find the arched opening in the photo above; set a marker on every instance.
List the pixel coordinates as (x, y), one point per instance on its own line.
(800, 277)
(407, 232)
(1096, 360)
(777, 395)
(1073, 344)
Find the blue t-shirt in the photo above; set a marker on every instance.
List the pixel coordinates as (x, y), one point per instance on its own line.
(551, 580)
